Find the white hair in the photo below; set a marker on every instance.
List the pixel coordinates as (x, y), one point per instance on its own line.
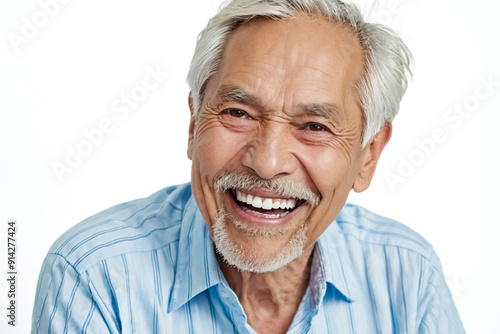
(257, 261)
(386, 58)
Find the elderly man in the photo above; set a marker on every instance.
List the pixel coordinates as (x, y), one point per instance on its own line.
(291, 103)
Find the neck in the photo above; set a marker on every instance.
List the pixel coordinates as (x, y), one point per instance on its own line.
(270, 300)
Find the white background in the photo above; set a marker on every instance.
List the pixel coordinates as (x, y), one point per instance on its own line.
(64, 79)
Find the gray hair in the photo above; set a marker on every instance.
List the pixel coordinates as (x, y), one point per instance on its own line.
(386, 58)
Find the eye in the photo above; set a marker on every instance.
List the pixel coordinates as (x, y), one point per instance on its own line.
(316, 127)
(238, 113)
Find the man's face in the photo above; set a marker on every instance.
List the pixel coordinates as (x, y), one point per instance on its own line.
(282, 107)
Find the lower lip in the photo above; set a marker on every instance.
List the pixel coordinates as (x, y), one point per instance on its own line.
(255, 219)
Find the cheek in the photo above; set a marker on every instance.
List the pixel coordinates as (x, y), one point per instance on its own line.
(333, 176)
(205, 165)
(215, 151)
(328, 168)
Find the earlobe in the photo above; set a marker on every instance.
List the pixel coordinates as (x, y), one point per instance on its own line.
(191, 129)
(372, 153)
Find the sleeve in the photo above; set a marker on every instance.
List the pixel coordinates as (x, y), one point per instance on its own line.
(437, 311)
(66, 303)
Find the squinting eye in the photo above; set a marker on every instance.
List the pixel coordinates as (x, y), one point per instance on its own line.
(316, 127)
(236, 113)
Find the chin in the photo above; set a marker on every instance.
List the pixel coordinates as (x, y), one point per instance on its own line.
(256, 259)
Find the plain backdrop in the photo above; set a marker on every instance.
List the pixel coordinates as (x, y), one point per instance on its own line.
(66, 73)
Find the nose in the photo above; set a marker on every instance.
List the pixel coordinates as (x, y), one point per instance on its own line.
(270, 152)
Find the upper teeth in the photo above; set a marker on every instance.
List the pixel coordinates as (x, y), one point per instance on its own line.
(266, 203)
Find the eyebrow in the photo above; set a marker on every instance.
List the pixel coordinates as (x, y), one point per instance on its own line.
(236, 94)
(325, 110)
(232, 93)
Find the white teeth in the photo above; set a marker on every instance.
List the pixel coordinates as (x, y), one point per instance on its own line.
(249, 199)
(267, 204)
(257, 202)
(265, 215)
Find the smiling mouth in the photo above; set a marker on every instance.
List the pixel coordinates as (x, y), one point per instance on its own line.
(265, 207)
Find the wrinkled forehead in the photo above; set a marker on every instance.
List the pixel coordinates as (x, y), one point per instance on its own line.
(306, 58)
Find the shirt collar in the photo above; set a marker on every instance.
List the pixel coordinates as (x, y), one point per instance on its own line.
(334, 265)
(197, 268)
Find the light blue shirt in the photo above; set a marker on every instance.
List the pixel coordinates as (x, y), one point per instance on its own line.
(148, 266)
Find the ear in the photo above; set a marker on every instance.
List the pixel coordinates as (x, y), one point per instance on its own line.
(371, 154)
(191, 129)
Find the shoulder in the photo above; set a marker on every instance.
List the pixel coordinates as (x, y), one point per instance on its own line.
(360, 225)
(381, 259)
(137, 226)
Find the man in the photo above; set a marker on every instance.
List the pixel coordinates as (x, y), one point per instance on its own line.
(292, 103)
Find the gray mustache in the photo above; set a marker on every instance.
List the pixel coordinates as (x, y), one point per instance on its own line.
(285, 188)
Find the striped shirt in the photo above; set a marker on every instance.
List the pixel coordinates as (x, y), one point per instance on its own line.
(148, 266)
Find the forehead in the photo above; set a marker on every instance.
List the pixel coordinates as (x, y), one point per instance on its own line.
(292, 61)
(326, 44)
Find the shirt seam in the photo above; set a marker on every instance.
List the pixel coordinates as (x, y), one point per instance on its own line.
(96, 263)
(430, 258)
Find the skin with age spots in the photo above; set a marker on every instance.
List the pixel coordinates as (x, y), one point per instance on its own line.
(282, 104)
